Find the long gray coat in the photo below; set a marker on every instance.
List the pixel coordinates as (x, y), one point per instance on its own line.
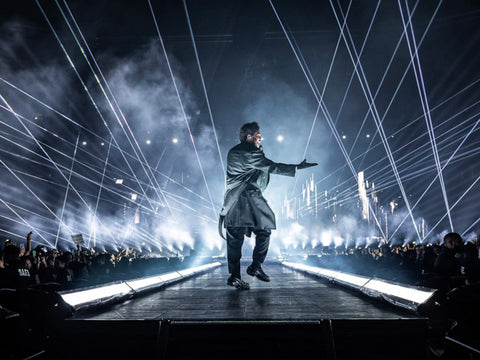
(248, 174)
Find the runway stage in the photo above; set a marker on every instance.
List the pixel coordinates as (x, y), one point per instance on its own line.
(293, 315)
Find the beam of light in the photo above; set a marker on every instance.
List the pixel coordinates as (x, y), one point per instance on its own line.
(98, 197)
(373, 109)
(405, 127)
(50, 159)
(405, 72)
(410, 156)
(33, 193)
(443, 167)
(66, 190)
(453, 206)
(471, 226)
(315, 85)
(203, 85)
(91, 99)
(414, 158)
(352, 76)
(169, 179)
(324, 110)
(25, 221)
(424, 99)
(392, 57)
(82, 163)
(149, 173)
(79, 175)
(182, 108)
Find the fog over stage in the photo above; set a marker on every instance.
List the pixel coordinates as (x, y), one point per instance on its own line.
(115, 120)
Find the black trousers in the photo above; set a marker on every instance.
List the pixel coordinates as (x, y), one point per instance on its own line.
(235, 237)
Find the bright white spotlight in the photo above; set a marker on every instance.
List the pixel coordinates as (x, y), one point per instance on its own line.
(118, 181)
(280, 138)
(84, 143)
(148, 142)
(175, 140)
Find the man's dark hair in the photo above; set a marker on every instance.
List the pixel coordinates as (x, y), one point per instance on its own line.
(454, 238)
(248, 128)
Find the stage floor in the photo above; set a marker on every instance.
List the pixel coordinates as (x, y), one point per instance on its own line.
(289, 296)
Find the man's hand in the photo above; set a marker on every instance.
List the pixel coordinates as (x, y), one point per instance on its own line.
(304, 164)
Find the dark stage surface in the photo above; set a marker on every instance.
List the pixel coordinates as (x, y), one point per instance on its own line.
(290, 295)
(293, 316)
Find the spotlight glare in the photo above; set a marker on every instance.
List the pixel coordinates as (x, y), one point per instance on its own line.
(175, 140)
(148, 142)
(280, 138)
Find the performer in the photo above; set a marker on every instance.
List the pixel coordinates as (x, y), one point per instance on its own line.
(244, 208)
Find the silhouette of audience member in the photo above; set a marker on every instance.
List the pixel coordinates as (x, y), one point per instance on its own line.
(62, 274)
(448, 263)
(46, 267)
(15, 273)
(462, 308)
(470, 257)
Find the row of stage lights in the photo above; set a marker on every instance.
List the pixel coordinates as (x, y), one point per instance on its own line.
(99, 295)
(280, 138)
(407, 297)
(148, 142)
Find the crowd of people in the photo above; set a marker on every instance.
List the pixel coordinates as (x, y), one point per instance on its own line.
(452, 268)
(23, 266)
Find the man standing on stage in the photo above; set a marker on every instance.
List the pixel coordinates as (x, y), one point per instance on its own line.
(244, 208)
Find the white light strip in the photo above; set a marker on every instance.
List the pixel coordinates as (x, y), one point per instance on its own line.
(413, 295)
(365, 284)
(169, 276)
(87, 296)
(186, 272)
(81, 298)
(330, 274)
(352, 279)
(144, 283)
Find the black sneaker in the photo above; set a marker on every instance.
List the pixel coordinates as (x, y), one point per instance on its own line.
(258, 273)
(238, 283)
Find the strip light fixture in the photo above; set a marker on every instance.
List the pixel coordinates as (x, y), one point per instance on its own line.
(405, 296)
(88, 297)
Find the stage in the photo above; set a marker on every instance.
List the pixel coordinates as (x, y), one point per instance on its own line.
(293, 315)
